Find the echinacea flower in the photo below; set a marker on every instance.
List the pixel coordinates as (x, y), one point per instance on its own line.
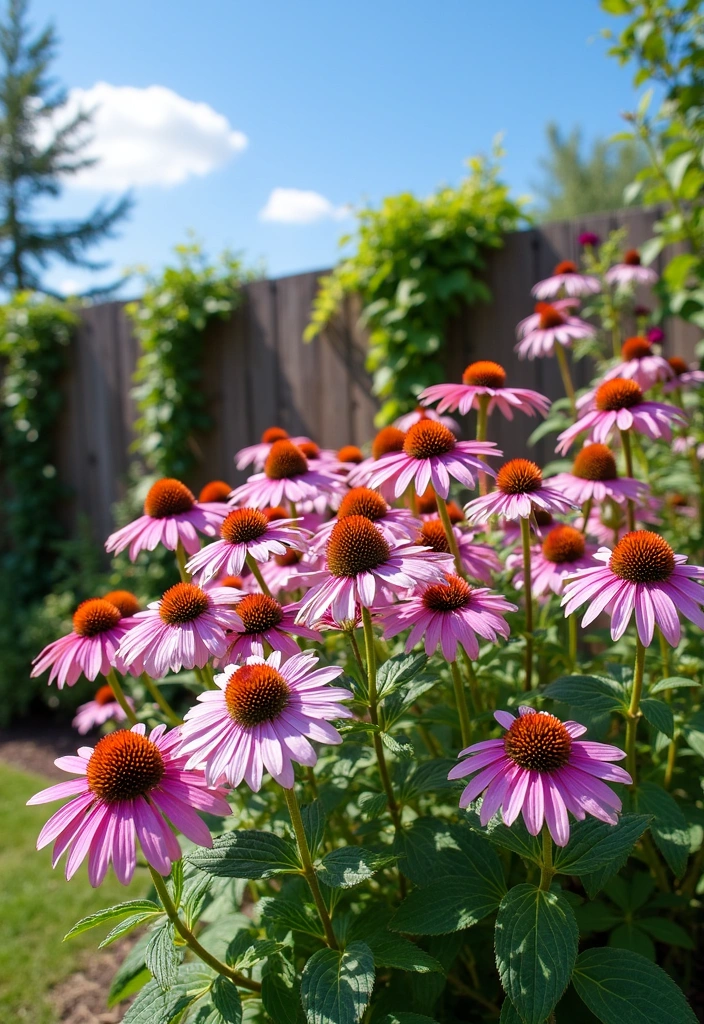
(396, 524)
(683, 445)
(485, 378)
(350, 455)
(448, 614)
(388, 441)
(427, 506)
(588, 238)
(594, 477)
(262, 717)
(655, 335)
(360, 564)
(566, 278)
(98, 711)
(245, 531)
(541, 769)
(215, 491)
(264, 621)
(433, 455)
(286, 477)
(619, 404)
(91, 649)
(285, 574)
(683, 375)
(127, 785)
(182, 630)
(630, 272)
(563, 551)
(257, 454)
(551, 324)
(478, 560)
(406, 421)
(642, 573)
(519, 491)
(171, 516)
(641, 364)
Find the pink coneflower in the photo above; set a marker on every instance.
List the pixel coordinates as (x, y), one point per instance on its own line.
(682, 445)
(641, 364)
(519, 490)
(405, 422)
(387, 442)
(448, 614)
(566, 277)
(171, 516)
(432, 454)
(541, 523)
(214, 491)
(245, 531)
(563, 551)
(478, 560)
(91, 649)
(642, 573)
(182, 630)
(541, 769)
(618, 404)
(257, 454)
(683, 375)
(396, 524)
(359, 564)
(594, 478)
(485, 378)
(655, 335)
(286, 477)
(588, 238)
(349, 456)
(285, 574)
(427, 505)
(630, 272)
(550, 325)
(127, 784)
(98, 711)
(264, 621)
(262, 717)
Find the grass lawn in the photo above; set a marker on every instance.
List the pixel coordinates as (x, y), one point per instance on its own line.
(38, 905)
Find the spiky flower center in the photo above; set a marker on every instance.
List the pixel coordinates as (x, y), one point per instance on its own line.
(538, 742)
(310, 449)
(519, 476)
(182, 603)
(632, 258)
(428, 438)
(285, 460)
(274, 512)
(642, 557)
(272, 434)
(362, 501)
(123, 766)
(635, 348)
(564, 544)
(447, 597)
(216, 490)
(290, 558)
(427, 504)
(485, 374)
(256, 694)
(548, 316)
(355, 546)
(94, 616)
(231, 581)
(432, 535)
(389, 439)
(350, 453)
(104, 695)
(124, 600)
(168, 498)
(244, 525)
(565, 267)
(616, 394)
(259, 613)
(595, 462)
(678, 365)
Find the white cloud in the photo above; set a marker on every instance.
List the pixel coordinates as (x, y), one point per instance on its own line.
(298, 206)
(69, 286)
(149, 136)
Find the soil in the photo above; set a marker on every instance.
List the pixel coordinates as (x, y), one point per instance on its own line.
(34, 746)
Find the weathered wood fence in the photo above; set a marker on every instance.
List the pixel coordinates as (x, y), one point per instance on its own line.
(258, 372)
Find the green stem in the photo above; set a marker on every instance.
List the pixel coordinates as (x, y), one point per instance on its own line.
(356, 652)
(566, 377)
(190, 939)
(482, 424)
(161, 699)
(204, 679)
(572, 627)
(374, 715)
(473, 682)
(181, 559)
(634, 713)
(119, 695)
(256, 571)
(528, 587)
(671, 759)
(547, 871)
(412, 499)
(461, 702)
(586, 512)
(450, 534)
(665, 658)
(628, 456)
(308, 869)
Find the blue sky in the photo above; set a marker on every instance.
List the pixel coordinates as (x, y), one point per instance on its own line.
(348, 101)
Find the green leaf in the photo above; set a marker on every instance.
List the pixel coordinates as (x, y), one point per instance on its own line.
(447, 905)
(509, 1013)
(664, 930)
(350, 865)
(397, 671)
(126, 926)
(674, 683)
(299, 917)
(517, 839)
(110, 913)
(336, 987)
(395, 951)
(281, 998)
(677, 169)
(617, 6)
(195, 891)
(226, 999)
(621, 987)
(162, 957)
(313, 816)
(589, 692)
(659, 715)
(428, 777)
(400, 746)
(407, 1018)
(153, 1006)
(248, 955)
(594, 844)
(174, 882)
(536, 941)
(669, 826)
(247, 854)
(431, 848)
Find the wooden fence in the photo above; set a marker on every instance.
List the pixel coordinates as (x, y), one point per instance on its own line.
(258, 372)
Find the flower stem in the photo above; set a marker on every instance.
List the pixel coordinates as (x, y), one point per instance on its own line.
(671, 759)
(628, 456)
(461, 702)
(473, 683)
(586, 512)
(190, 939)
(355, 651)
(546, 869)
(633, 713)
(450, 534)
(528, 587)
(482, 423)
(566, 377)
(374, 715)
(665, 658)
(203, 678)
(119, 695)
(572, 628)
(181, 559)
(256, 571)
(412, 500)
(161, 699)
(308, 869)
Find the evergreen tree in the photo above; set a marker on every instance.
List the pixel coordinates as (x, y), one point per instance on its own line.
(35, 157)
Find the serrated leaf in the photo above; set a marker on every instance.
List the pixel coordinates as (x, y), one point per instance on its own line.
(194, 893)
(174, 882)
(400, 746)
(281, 998)
(407, 1018)
(629, 936)
(668, 827)
(162, 958)
(395, 951)
(674, 683)
(153, 1006)
(428, 777)
(664, 930)
(621, 987)
(126, 926)
(257, 950)
(448, 905)
(336, 987)
(590, 692)
(517, 839)
(110, 913)
(226, 1000)
(659, 715)
(247, 854)
(297, 916)
(398, 671)
(536, 940)
(509, 1013)
(350, 865)
(595, 844)
(313, 816)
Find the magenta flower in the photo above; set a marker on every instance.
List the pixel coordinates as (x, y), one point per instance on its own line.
(519, 492)
(630, 272)
(643, 574)
(550, 325)
(594, 478)
(432, 454)
(683, 375)
(618, 404)
(478, 560)
(588, 238)
(542, 770)
(286, 574)
(257, 454)
(360, 565)
(127, 784)
(182, 630)
(566, 278)
(655, 335)
(98, 711)
(485, 378)
(171, 515)
(398, 525)
(264, 621)
(245, 531)
(286, 477)
(405, 422)
(563, 551)
(91, 649)
(387, 442)
(262, 717)
(641, 364)
(448, 614)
